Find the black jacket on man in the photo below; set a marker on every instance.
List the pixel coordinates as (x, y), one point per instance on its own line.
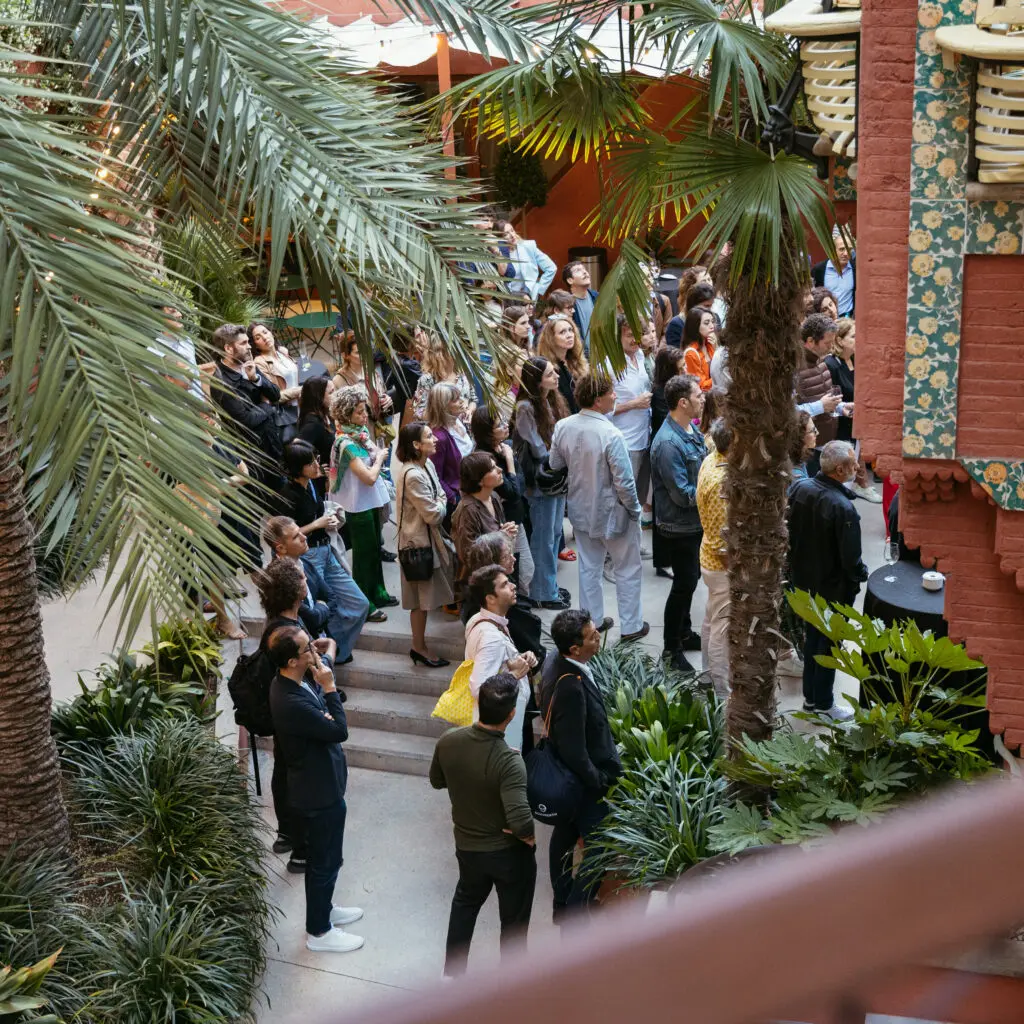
(824, 540)
(310, 727)
(245, 402)
(579, 729)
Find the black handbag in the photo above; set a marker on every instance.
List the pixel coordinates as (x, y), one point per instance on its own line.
(552, 483)
(554, 790)
(417, 563)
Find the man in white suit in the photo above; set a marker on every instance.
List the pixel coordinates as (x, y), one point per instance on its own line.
(534, 270)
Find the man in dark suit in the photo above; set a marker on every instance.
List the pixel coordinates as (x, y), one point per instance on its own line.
(310, 726)
(578, 730)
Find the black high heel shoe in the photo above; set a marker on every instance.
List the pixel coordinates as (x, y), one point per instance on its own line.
(419, 659)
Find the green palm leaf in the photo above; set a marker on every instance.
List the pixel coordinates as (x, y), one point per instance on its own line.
(628, 285)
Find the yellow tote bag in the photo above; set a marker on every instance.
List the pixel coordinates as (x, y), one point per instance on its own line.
(455, 705)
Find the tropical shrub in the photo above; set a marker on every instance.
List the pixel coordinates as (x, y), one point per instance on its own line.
(911, 739)
(18, 993)
(630, 667)
(187, 650)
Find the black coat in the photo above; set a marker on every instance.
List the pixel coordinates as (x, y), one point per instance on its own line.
(842, 377)
(578, 728)
(824, 540)
(252, 408)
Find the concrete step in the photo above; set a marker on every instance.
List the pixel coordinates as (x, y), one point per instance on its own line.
(446, 636)
(393, 712)
(393, 673)
(389, 751)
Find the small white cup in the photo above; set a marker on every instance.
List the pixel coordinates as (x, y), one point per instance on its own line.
(932, 580)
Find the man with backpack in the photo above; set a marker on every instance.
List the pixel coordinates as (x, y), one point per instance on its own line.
(310, 726)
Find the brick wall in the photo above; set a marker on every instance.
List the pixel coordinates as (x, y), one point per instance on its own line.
(885, 116)
(990, 421)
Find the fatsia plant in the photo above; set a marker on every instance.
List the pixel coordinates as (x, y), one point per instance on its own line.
(223, 112)
(758, 208)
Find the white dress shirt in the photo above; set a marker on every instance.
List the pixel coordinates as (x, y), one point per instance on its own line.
(634, 424)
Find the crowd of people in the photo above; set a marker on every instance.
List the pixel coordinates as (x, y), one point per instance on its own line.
(479, 489)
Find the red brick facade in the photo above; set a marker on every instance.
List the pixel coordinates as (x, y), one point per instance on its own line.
(979, 546)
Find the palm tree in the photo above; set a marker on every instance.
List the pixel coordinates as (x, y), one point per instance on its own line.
(123, 125)
(759, 204)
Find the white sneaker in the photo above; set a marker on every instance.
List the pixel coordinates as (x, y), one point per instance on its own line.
(838, 714)
(334, 941)
(345, 915)
(646, 552)
(868, 494)
(791, 664)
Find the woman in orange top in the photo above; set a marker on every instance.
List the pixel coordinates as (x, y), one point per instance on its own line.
(699, 344)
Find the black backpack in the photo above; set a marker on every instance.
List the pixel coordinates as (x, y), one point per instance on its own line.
(249, 688)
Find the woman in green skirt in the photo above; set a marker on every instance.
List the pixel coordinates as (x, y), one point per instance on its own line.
(356, 485)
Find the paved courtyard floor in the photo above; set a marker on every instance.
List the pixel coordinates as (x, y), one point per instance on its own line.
(399, 858)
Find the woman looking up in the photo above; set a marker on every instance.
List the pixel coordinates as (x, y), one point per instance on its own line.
(420, 508)
(351, 373)
(445, 408)
(438, 367)
(356, 485)
(275, 363)
(539, 408)
(561, 345)
(315, 424)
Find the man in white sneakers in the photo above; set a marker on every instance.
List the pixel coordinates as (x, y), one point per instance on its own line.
(310, 726)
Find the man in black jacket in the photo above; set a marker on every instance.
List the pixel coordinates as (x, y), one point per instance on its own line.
(248, 399)
(825, 558)
(309, 724)
(579, 732)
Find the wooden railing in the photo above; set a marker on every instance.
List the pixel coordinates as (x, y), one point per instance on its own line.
(819, 935)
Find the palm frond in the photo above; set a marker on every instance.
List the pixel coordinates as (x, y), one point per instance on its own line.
(740, 57)
(628, 285)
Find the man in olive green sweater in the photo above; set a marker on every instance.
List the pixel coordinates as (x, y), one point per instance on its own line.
(494, 841)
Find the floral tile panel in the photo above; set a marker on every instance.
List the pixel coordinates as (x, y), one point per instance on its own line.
(995, 228)
(937, 227)
(1002, 480)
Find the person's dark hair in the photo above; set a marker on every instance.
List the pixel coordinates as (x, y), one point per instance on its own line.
(796, 449)
(482, 583)
(297, 455)
(687, 279)
(481, 426)
(475, 466)
(487, 549)
(679, 387)
(547, 409)
(226, 334)
(721, 435)
(819, 295)
(402, 339)
(592, 386)
(691, 326)
(567, 629)
(568, 269)
(816, 326)
(283, 645)
(560, 301)
(497, 698)
(510, 317)
(666, 364)
(311, 398)
(282, 585)
(273, 530)
(699, 293)
(251, 330)
(407, 438)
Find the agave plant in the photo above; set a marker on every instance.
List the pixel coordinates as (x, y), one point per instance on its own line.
(138, 120)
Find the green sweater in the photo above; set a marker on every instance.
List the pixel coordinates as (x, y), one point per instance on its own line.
(486, 781)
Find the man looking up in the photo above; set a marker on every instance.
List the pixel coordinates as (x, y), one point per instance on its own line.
(577, 280)
(493, 824)
(825, 559)
(840, 278)
(310, 726)
(815, 391)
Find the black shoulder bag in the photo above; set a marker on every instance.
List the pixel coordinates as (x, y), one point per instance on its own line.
(554, 790)
(417, 563)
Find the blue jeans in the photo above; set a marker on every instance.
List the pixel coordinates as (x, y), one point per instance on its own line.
(347, 603)
(325, 834)
(546, 517)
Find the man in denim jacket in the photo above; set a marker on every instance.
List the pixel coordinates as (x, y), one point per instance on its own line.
(676, 457)
(602, 506)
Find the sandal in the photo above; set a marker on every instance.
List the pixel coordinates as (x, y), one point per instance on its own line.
(567, 555)
(230, 630)
(377, 616)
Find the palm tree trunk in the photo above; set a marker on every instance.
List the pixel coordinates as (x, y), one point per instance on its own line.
(761, 335)
(32, 812)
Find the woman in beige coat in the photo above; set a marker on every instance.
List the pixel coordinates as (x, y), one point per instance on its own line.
(421, 505)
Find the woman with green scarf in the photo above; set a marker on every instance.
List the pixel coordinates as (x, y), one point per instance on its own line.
(356, 485)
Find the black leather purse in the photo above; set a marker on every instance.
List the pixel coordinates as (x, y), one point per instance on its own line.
(553, 790)
(552, 483)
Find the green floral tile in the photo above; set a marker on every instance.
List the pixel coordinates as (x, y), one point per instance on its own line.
(1002, 479)
(933, 13)
(937, 226)
(934, 282)
(938, 173)
(995, 228)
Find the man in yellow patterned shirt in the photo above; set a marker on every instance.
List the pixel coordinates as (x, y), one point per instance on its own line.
(712, 507)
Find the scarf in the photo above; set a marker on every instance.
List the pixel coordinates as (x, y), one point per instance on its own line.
(351, 443)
